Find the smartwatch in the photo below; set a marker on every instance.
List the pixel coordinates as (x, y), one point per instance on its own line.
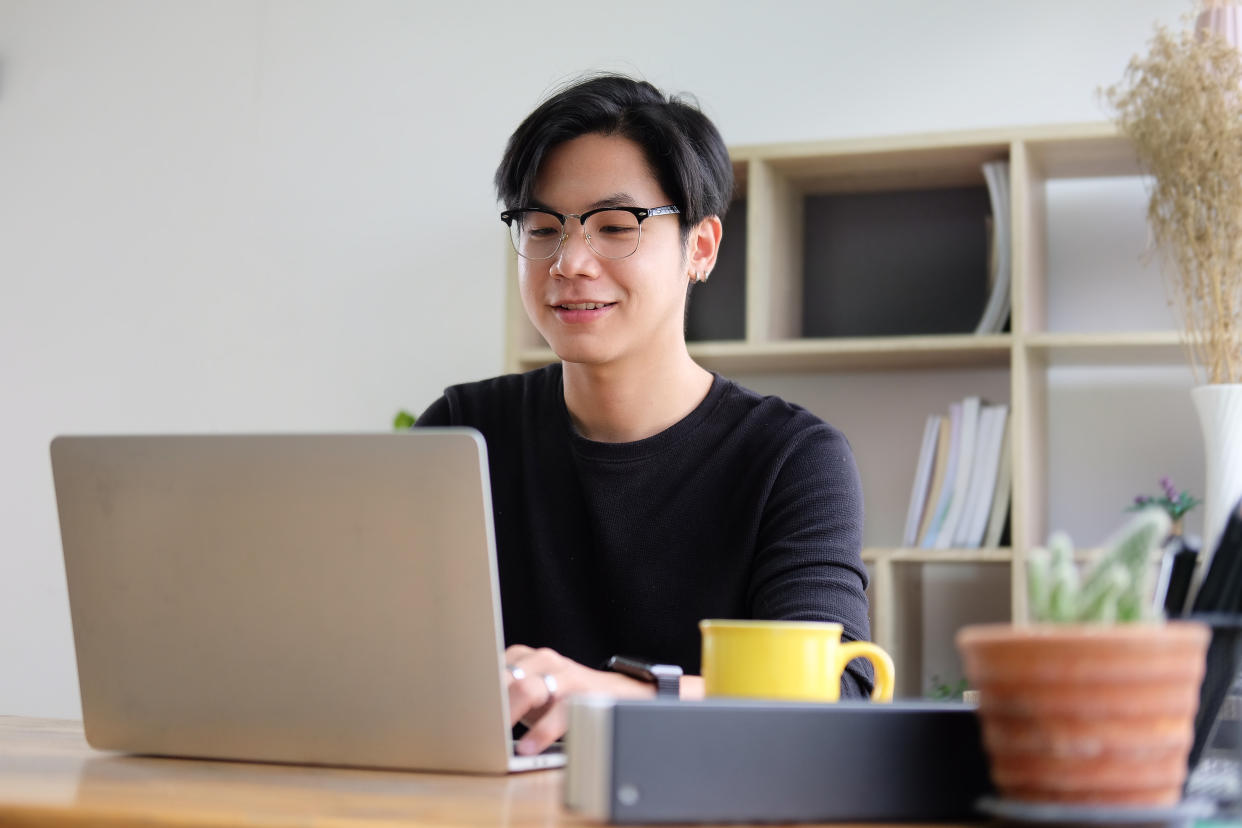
(665, 677)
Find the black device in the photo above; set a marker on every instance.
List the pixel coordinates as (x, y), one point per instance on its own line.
(1183, 557)
(738, 760)
(665, 677)
(1221, 589)
(1219, 604)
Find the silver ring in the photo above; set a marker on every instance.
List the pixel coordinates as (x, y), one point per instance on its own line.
(549, 683)
(517, 672)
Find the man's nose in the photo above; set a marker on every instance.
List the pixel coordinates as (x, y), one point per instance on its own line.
(574, 248)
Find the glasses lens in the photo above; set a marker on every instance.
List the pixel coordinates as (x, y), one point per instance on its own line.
(613, 233)
(535, 235)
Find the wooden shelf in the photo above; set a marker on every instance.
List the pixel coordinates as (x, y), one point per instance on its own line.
(1129, 348)
(1082, 151)
(923, 352)
(857, 353)
(852, 354)
(899, 168)
(918, 555)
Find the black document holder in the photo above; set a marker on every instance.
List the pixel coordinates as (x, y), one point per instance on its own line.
(1224, 662)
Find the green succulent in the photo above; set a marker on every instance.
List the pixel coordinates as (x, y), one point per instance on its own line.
(1117, 589)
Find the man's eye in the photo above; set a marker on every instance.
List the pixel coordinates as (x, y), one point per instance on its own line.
(541, 232)
(617, 230)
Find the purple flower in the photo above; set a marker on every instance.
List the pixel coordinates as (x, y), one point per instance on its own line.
(1174, 502)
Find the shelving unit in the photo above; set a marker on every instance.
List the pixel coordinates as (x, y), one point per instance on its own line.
(876, 388)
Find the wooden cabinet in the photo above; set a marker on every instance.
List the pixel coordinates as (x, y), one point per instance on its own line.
(851, 276)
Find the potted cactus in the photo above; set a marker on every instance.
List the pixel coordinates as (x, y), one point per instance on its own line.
(1094, 702)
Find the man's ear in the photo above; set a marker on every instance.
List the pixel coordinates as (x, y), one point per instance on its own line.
(702, 247)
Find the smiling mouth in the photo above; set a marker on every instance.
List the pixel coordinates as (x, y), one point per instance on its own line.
(585, 306)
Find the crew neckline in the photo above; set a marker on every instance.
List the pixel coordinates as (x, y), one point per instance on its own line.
(648, 446)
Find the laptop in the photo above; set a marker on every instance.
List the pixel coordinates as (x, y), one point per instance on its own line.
(311, 599)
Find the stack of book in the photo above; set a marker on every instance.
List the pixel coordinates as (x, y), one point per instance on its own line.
(960, 497)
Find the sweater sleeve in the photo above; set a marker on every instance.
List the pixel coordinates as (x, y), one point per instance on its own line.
(439, 413)
(808, 564)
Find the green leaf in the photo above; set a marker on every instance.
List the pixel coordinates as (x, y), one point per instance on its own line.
(1099, 595)
(1063, 590)
(1039, 583)
(942, 691)
(1137, 547)
(403, 421)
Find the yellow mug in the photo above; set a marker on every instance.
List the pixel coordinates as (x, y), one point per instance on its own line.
(788, 660)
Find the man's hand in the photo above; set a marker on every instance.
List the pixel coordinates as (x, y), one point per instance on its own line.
(540, 683)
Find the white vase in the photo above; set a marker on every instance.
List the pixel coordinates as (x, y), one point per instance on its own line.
(1225, 20)
(1220, 416)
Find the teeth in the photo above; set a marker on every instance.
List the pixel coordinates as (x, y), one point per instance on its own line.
(584, 306)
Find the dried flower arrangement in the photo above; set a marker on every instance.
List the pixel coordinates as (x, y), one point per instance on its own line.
(1181, 106)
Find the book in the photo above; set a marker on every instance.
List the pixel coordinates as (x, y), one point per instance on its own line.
(922, 480)
(1004, 487)
(983, 435)
(940, 465)
(986, 456)
(996, 311)
(964, 464)
(731, 760)
(993, 421)
(928, 539)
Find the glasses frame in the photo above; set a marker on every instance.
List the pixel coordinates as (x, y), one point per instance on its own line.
(640, 213)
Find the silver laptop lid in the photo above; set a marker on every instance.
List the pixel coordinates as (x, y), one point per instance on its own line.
(326, 599)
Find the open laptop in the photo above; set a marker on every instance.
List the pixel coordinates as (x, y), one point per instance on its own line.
(319, 599)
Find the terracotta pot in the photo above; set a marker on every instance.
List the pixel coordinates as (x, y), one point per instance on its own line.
(1087, 714)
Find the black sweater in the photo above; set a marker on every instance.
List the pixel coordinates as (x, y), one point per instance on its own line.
(750, 507)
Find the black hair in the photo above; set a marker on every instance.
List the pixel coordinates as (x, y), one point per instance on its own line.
(682, 146)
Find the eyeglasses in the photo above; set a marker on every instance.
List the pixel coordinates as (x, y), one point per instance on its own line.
(612, 232)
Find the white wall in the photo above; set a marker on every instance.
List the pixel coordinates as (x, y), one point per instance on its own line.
(225, 216)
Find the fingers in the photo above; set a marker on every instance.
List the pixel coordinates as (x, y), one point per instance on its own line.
(540, 683)
(534, 694)
(516, 652)
(550, 727)
(535, 680)
(514, 656)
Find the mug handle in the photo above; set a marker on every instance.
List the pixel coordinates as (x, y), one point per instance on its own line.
(879, 659)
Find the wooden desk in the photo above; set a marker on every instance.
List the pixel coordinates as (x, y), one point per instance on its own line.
(49, 776)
